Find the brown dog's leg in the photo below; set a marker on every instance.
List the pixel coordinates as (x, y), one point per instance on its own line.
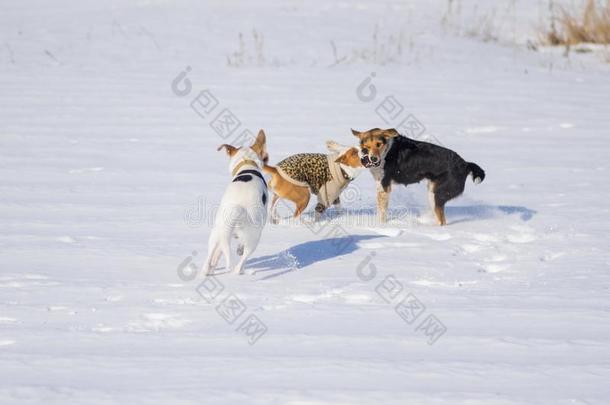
(302, 204)
(439, 212)
(431, 196)
(383, 199)
(437, 207)
(440, 196)
(283, 189)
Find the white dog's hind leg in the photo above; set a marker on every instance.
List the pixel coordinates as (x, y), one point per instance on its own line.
(250, 243)
(239, 269)
(216, 256)
(213, 254)
(225, 247)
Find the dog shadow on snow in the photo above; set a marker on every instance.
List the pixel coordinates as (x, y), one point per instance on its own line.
(478, 212)
(455, 214)
(305, 254)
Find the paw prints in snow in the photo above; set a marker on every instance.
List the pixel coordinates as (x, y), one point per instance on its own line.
(496, 267)
(156, 322)
(333, 295)
(490, 129)
(524, 234)
(101, 328)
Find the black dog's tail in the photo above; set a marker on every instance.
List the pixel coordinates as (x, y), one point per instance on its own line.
(478, 174)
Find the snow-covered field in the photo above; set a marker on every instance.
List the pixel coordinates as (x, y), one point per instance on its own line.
(109, 178)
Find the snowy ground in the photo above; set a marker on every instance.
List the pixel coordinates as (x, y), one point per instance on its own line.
(108, 179)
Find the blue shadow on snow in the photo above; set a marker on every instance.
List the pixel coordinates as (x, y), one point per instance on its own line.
(306, 254)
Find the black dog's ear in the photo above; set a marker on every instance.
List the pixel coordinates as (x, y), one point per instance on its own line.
(356, 133)
(390, 133)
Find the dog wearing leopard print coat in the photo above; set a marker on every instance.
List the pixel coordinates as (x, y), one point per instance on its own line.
(324, 175)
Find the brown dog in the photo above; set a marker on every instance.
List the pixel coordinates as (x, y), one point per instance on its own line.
(298, 176)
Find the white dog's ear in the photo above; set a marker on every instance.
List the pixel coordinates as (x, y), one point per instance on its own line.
(260, 141)
(335, 147)
(231, 150)
(260, 146)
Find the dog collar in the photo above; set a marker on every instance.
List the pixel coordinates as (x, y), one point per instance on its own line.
(349, 173)
(243, 163)
(346, 176)
(254, 172)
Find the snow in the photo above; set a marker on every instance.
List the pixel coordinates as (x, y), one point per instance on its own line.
(109, 182)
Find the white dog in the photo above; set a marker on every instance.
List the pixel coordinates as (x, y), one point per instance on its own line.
(243, 209)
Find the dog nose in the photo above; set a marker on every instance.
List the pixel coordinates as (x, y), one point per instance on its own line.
(374, 159)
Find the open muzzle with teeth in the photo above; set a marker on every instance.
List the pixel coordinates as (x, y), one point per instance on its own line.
(369, 161)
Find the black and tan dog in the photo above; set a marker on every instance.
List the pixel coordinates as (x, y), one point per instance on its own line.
(393, 158)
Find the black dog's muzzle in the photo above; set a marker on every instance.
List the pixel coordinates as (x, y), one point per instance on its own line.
(371, 161)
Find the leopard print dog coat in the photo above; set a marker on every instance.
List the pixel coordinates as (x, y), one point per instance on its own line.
(319, 172)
